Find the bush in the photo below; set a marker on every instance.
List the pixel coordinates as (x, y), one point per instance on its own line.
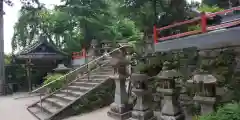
(56, 85)
(207, 8)
(229, 111)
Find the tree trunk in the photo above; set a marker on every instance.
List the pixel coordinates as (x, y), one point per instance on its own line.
(2, 69)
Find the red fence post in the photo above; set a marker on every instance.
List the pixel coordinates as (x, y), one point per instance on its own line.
(203, 22)
(155, 35)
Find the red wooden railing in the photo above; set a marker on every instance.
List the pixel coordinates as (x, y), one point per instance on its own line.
(202, 20)
(78, 55)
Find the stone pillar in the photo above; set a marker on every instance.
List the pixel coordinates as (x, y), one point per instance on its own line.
(120, 109)
(141, 110)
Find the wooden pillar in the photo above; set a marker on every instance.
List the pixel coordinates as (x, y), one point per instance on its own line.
(29, 69)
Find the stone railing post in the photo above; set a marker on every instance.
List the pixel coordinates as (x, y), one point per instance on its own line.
(120, 108)
(141, 110)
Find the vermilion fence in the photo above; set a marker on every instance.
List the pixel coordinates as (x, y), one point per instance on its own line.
(78, 55)
(202, 20)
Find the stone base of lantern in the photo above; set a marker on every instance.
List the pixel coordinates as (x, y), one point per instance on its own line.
(143, 115)
(206, 103)
(120, 112)
(177, 117)
(172, 111)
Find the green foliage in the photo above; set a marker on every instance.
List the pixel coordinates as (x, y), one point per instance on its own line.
(229, 111)
(73, 25)
(141, 67)
(55, 85)
(207, 8)
(194, 27)
(126, 29)
(7, 59)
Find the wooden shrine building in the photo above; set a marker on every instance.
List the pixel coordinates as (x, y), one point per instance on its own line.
(42, 56)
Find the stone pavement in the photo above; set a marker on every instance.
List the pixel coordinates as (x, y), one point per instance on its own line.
(100, 114)
(15, 109)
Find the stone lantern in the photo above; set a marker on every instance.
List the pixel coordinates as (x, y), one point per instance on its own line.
(106, 46)
(120, 108)
(61, 68)
(205, 93)
(94, 50)
(171, 108)
(141, 110)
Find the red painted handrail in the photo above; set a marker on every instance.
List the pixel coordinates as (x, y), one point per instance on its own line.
(179, 23)
(215, 27)
(180, 35)
(203, 22)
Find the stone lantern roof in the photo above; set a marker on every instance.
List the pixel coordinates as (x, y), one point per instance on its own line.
(205, 78)
(61, 68)
(168, 74)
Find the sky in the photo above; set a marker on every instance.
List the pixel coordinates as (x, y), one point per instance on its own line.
(11, 17)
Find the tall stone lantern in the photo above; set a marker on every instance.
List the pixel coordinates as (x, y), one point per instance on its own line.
(205, 91)
(120, 108)
(171, 108)
(141, 110)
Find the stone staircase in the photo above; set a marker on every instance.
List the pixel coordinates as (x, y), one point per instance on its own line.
(53, 105)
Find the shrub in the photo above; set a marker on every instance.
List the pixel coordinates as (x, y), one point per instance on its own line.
(55, 85)
(229, 111)
(207, 8)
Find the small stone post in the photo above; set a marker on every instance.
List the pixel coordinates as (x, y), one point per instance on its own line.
(141, 110)
(120, 109)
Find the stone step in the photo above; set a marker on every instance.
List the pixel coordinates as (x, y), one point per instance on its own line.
(78, 88)
(102, 73)
(105, 70)
(46, 107)
(37, 111)
(56, 102)
(72, 93)
(91, 80)
(64, 97)
(93, 76)
(84, 84)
